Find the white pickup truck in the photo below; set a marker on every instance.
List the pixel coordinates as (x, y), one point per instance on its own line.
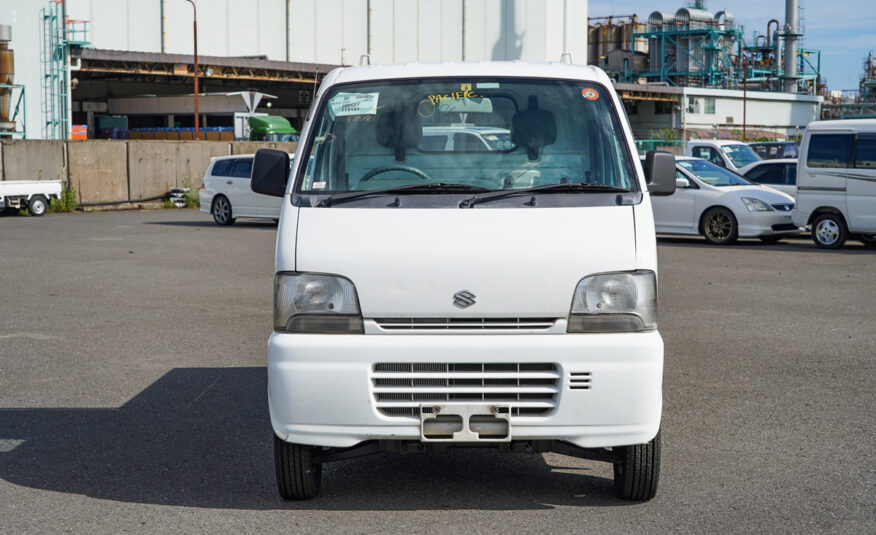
(31, 194)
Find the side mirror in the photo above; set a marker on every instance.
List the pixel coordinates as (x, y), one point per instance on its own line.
(682, 183)
(270, 172)
(660, 172)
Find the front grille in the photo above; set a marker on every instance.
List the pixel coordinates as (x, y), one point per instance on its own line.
(784, 226)
(783, 207)
(441, 324)
(528, 388)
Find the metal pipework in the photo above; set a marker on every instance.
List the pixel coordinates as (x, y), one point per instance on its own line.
(792, 26)
(769, 34)
(7, 76)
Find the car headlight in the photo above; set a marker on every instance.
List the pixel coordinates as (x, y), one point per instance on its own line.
(312, 303)
(615, 302)
(756, 205)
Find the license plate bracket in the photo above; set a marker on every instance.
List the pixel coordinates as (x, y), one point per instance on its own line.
(465, 422)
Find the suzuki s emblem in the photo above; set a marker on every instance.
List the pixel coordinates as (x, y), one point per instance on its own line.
(463, 299)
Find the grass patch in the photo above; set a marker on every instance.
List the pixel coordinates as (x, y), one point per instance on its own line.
(66, 203)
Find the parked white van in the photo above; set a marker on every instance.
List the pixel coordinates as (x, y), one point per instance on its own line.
(836, 182)
(499, 298)
(734, 155)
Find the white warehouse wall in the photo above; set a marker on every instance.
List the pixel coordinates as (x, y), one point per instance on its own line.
(332, 31)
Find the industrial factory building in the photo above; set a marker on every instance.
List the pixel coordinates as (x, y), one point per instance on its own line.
(126, 67)
(89, 62)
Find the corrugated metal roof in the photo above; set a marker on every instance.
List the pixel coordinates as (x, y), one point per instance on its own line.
(245, 62)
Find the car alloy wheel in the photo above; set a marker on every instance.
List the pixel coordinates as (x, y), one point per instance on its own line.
(828, 231)
(222, 211)
(719, 226)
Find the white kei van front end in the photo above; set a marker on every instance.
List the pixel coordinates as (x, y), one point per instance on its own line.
(499, 294)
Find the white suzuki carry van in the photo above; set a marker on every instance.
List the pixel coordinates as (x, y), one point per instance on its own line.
(836, 182)
(497, 295)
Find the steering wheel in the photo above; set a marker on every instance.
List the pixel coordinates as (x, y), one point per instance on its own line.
(394, 167)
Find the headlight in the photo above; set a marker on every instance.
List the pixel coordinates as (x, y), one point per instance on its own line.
(756, 205)
(615, 302)
(310, 303)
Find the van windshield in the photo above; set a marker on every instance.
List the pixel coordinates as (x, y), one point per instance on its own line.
(740, 155)
(484, 134)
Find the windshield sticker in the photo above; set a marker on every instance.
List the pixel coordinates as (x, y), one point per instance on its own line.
(590, 94)
(319, 185)
(488, 85)
(353, 104)
(455, 95)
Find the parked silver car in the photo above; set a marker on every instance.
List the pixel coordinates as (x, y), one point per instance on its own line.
(225, 192)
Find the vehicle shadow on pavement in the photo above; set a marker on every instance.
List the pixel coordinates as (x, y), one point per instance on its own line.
(200, 437)
(790, 245)
(255, 223)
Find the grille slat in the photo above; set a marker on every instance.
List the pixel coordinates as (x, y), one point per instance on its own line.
(391, 324)
(528, 388)
(579, 381)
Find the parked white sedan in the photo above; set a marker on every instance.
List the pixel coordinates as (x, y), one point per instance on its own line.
(721, 206)
(225, 192)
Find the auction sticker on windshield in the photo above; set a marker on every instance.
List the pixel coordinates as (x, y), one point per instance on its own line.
(590, 94)
(353, 104)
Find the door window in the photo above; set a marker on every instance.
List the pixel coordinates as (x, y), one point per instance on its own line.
(829, 150)
(791, 174)
(222, 167)
(767, 174)
(242, 168)
(708, 153)
(865, 151)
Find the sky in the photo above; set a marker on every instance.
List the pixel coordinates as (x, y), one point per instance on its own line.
(844, 30)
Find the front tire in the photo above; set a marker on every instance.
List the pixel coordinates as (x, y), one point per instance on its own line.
(298, 477)
(719, 226)
(637, 471)
(829, 231)
(221, 211)
(37, 206)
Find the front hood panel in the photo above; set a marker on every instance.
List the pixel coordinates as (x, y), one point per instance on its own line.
(764, 193)
(518, 263)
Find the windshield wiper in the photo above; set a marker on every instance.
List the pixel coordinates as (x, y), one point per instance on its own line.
(437, 187)
(570, 187)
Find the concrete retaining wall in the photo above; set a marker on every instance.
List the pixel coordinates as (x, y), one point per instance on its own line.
(98, 170)
(33, 160)
(114, 171)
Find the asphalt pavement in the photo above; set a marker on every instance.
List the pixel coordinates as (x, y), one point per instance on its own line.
(133, 397)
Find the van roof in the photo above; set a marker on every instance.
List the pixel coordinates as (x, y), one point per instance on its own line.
(864, 124)
(516, 69)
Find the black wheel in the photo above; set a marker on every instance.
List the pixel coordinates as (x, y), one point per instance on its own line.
(829, 231)
(719, 226)
(770, 239)
(37, 205)
(298, 477)
(221, 211)
(637, 472)
(869, 240)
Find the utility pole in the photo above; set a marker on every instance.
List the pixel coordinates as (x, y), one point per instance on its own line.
(197, 128)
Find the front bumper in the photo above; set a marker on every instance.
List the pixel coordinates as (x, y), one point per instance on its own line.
(757, 224)
(321, 389)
